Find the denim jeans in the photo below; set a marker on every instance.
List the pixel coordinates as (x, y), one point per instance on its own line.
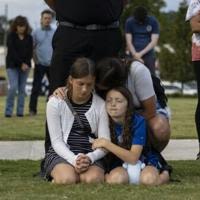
(17, 83)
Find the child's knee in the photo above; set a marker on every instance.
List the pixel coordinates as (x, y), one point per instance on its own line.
(66, 179)
(149, 176)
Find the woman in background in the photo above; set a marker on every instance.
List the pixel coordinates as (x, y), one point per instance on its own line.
(18, 63)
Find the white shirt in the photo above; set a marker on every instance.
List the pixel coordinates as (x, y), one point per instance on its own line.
(140, 83)
(60, 120)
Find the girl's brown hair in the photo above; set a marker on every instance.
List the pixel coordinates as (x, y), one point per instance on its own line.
(127, 126)
(82, 67)
(20, 21)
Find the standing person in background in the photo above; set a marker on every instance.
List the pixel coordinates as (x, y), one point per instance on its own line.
(42, 44)
(193, 15)
(87, 28)
(18, 63)
(142, 34)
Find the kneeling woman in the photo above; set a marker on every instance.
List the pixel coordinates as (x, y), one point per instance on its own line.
(72, 122)
(128, 134)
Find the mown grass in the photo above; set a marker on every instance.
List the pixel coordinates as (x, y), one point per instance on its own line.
(182, 120)
(31, 128)
(23, 128)
(17, 183)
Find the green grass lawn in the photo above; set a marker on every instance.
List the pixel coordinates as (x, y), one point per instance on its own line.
(23, 128)
(182, 120)
(31, 128)
(17, 183)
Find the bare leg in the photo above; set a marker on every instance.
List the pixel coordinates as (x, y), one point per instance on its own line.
(150, 176)
(94, 174)
(64, 174)
(159, 132)
(117, 176)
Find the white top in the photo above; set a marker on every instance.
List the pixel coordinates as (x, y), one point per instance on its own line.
(140, 83)
(193, 10)
(60, 120)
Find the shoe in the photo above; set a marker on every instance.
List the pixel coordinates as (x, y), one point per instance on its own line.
(32, 113)
(8, 116)
(20, 115)
(198, 156)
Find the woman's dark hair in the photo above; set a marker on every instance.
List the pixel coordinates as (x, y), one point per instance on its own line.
(127, 127)
(110, 72)
(140, 14)
(20, 21)
(82, 67)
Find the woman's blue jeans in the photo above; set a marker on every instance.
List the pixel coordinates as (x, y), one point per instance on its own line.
(17, 83)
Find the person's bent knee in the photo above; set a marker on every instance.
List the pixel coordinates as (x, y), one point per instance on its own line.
(64, 174)
(64, 180)
(159, 132)
(95, 178)
(149, 176)
(93, 175)
(118, 176)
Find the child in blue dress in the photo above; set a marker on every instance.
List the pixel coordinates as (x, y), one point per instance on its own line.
(131, 161)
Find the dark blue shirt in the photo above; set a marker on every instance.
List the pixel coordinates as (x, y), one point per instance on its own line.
(138, 130)
(141, 33)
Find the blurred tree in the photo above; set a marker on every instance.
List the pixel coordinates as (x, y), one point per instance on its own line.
(175, 61)
(2, 28)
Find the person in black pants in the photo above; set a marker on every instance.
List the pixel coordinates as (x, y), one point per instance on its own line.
(87, 28)
(193, 17)
(42, 39)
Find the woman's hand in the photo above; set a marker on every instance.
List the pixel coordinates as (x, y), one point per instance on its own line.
(99, 143)
(24, 67)
(82, 163)
(59, 92)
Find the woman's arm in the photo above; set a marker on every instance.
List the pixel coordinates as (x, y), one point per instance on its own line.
(103, 132)
(149, 108)
(29, 54)
(55, 131)
(12, 48)
(129, 156)
(142, 83)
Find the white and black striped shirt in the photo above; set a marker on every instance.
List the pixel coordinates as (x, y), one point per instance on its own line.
(78, 139)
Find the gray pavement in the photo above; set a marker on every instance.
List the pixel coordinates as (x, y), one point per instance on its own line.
(34, 150)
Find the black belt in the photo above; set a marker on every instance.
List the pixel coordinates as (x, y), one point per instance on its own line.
(91, 27)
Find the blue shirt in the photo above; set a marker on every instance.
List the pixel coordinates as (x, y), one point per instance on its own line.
(138, 130)
(141, 33)
(42, 41)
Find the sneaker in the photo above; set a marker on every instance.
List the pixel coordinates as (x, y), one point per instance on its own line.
(8, 116)
(20, 115)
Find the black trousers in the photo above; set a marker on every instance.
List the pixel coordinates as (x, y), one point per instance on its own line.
(39, 73)
(197, 113)
(71, 43)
